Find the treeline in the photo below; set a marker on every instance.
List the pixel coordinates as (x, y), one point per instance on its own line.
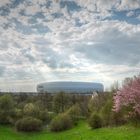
(63, 111)
(59, 112)
(29, 113)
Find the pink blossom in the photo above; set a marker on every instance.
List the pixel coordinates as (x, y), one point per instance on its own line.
(128, 96)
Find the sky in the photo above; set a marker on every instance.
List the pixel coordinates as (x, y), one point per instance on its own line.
(68, 40)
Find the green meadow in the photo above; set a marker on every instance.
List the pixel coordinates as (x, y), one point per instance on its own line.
(81, 132)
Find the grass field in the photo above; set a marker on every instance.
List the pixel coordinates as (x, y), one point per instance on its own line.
(80, 132)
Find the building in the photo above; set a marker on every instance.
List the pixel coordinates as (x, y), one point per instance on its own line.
(70, 87)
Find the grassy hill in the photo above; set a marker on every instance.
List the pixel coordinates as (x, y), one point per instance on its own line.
(80, 132)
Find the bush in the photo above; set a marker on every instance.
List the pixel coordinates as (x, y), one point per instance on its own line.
(29, 124)
(95, 121)
(61, 122)
(135, 120)
(117, 118)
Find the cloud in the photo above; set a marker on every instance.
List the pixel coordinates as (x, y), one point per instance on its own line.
(129, 5)
(103, 5)
(2, 69)
(131, 13)
(112, 44)
(68, 40)
(5, 2)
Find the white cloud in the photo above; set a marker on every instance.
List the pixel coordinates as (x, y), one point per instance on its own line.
(129, 14)
(32, 10)
(4, 2)
(103, 5)
(129, 5)
(68, 51)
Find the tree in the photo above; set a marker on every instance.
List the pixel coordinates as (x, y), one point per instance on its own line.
(106, 113)
(6, 109)
(33, 110)
(96, 103)
(115, 86)
(60, 102)
(128, 97)
(45, 100)
(75, 113)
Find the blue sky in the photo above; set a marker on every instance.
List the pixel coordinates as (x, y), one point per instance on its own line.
(72, 40)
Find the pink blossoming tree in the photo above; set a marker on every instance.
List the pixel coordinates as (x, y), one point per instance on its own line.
(128, 97)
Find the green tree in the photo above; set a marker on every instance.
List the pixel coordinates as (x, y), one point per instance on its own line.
(6, 109)
(106, 112)
(33, 110)
(60, 102)
(75, 113)
(45, 100)
(30, 109)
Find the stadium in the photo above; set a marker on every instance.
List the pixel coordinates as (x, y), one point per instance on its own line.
(70, 87)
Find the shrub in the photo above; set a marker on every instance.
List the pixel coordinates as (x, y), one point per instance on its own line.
(135, 120)
(95, 121)
(29, 124)
(61, 122)
(117, 118)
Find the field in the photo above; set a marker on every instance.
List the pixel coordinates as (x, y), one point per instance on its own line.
(80, 132)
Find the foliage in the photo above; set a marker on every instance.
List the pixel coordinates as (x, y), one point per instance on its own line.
(117, 118)
(97, 102)
(31, 110)
(83, 104)
(6, 109)
(60, 102)
(95, 121)
(28, 124)
(45, 100)
(44, 116)
(106, 113)
(61, 122)
(34, 110)
(75, 113)
(128, 97)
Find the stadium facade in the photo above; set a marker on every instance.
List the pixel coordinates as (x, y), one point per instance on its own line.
(70, 87)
